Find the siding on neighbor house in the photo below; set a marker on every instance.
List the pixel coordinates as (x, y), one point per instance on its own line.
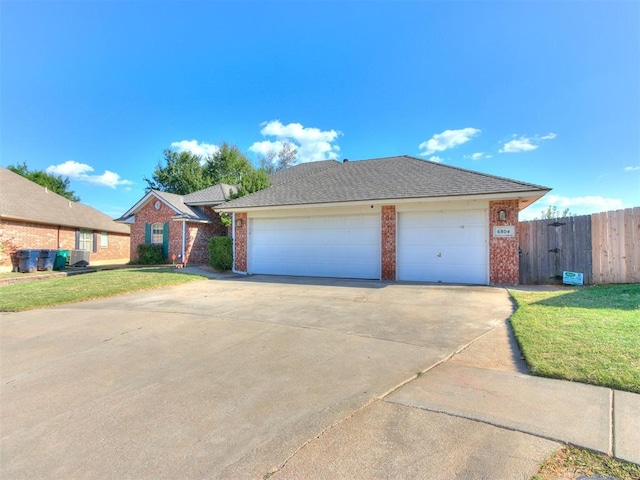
(197, 235)
(42, 236)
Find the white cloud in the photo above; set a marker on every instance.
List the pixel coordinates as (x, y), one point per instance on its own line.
(631, 169)
(312, 143)
(477, 156)
(203, 149)
(447, 139)
(82, 172)
(525, 144)
(522, 144)
(576, 205)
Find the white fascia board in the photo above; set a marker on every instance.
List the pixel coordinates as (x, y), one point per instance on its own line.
(527, 196)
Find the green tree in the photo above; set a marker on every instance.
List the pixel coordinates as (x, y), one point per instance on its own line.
(230, 165)
(55, 183)
(553, 212)
(182, 173)
(274, 161)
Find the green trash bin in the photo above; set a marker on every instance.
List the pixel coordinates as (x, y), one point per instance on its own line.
(61, 260)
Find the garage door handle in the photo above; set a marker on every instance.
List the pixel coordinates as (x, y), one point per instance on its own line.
(439, 254)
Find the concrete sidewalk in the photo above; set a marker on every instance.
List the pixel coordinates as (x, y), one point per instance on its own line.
(480, 403)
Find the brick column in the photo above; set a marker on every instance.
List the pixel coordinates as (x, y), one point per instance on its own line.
(388, 242)
(240, 244)
(504, 260)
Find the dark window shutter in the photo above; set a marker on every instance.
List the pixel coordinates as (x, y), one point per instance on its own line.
(165, 240)
(77, 239)
(95, 242)
(147, 233)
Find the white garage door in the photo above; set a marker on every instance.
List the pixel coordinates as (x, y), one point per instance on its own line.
(344, 246)
(446, 247)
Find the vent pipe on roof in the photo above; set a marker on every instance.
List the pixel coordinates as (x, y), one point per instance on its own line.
(345, 160)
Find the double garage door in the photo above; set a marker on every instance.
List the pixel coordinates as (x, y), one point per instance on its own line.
(448, 247)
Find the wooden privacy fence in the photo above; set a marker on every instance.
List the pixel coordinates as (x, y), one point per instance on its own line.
(604, 247)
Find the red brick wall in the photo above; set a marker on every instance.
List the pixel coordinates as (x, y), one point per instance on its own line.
(240, 253)
(197, 235)
(503, 251)
(388, 242)
(37, 236)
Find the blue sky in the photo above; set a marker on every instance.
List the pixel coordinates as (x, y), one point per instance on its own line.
(543, 92)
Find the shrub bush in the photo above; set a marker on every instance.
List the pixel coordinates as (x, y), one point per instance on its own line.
(221, 253)
(149, 255)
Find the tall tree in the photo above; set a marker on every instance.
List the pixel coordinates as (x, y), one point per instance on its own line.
(230, 165)
(274, 161)
(182, 173)
(55, 183)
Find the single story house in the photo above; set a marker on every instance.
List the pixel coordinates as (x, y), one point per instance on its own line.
(395, 218)
(182, 224)
(31, 216)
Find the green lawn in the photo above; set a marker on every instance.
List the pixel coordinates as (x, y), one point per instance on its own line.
(54, 291)
(587, 334)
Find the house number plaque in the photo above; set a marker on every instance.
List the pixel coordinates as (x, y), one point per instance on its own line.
(504, 231)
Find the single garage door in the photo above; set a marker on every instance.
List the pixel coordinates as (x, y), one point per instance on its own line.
(343, 246)
(448, 246)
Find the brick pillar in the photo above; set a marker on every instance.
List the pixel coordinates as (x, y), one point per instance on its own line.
(503, 251)
(240, 244)
(388, 242)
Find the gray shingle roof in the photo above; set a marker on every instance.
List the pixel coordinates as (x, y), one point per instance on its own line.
(401, 177)
(178, 204)
(216, 194)
(22, 199)
(301, 170)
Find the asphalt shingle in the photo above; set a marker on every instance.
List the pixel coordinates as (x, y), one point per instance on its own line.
(22, 199)
(401, 177)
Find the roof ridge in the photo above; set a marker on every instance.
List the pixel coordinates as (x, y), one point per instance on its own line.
(304, 175)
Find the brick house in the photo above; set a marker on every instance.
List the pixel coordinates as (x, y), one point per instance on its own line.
(31, 216)
(182, 224)
(395, 218)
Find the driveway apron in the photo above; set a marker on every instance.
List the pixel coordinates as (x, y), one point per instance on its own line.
(218, 379)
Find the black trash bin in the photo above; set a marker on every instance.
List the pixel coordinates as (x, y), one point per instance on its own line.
(47, 259)
(28, 260)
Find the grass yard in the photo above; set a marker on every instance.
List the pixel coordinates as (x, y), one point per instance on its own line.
(77, 288)
(588, 334)
(570, 462)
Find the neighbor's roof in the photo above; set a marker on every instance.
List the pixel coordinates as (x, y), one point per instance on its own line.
(214, 195)
(185, 205)
(391, 178)
(22, 199)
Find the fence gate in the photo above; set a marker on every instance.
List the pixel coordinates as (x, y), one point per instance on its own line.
(549, 247)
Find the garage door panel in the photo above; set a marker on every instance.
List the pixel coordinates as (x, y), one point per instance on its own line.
(443, 246)
(344, 246)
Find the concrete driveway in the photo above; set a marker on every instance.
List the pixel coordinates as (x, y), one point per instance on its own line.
(235, 378)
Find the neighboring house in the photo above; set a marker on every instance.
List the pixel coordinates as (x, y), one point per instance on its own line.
(182, 224)
(31, 216)
(395, 218)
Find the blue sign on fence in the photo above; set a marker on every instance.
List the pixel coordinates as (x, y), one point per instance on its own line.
(572, 278)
